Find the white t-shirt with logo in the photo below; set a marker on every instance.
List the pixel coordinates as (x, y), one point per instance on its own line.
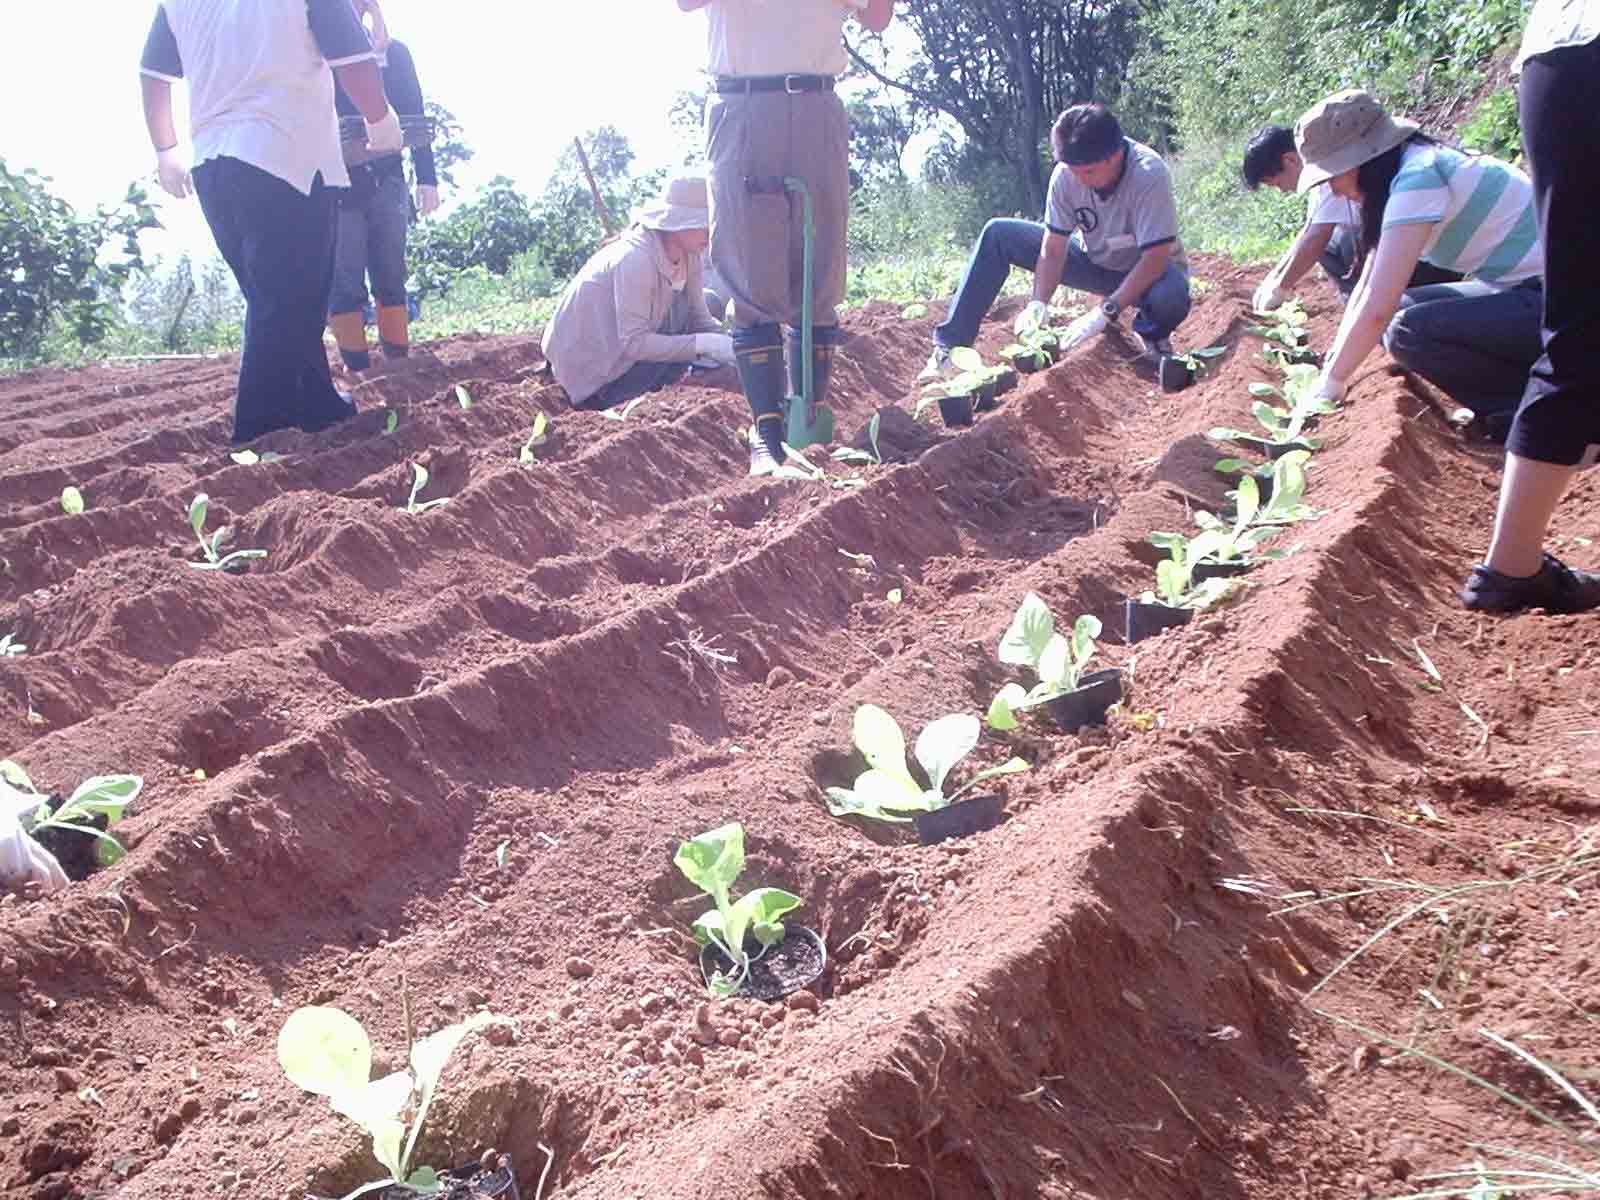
(1324, 207)
(1115, 230)
(260, 79)
(775, 37)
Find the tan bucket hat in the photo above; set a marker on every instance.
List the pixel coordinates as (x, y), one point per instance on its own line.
(682, 204)
(1343, 131)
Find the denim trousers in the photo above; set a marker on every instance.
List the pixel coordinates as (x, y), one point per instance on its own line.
(372, 241)
(279, 245)
(1006, 243)
(1473, 342)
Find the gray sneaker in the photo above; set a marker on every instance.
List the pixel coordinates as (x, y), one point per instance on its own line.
(1555, 587)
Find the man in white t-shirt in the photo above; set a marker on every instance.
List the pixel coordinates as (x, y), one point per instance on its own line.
(772, 115)
(1331, 231)
(266, 165)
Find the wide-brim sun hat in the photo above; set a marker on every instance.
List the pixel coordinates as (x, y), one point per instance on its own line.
(682, 204)
(1343, 131)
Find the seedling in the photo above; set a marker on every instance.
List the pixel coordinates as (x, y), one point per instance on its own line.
(621, 414)
(913, 312)
(1197, 361)
(712, 862)
(418, 482)
(391, 422)
(71, 501)
(873, 456)
(1279, 428)
(105, 796)
(1033, 350)
(214, 561)
(10, 647)
(539, 436)
(973, 377)
(1288, 328)
(1032, 641)
(249, 458)
(463, 398)
(325, 1051)
(886, 791)
(1286, 507)
(1299, 393)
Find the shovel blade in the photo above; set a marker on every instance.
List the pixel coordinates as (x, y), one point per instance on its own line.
(802, 433)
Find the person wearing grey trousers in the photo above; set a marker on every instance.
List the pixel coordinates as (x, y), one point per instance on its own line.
(772, 115)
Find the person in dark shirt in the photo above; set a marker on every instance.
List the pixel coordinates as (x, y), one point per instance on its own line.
(375, 213)
(266, 154)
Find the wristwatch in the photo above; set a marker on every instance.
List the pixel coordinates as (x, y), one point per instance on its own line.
(1111, 308)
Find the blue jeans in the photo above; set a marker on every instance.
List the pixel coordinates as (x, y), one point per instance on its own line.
(1471, 341)
(279, 244)
(1006, 243)
(372, 240)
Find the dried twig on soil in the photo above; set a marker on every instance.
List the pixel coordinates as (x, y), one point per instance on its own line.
(697, 649)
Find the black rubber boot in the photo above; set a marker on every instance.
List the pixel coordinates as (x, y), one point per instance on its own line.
(758, 351)
(824, 340)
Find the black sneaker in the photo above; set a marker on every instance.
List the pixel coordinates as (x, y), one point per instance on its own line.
(1556, 587)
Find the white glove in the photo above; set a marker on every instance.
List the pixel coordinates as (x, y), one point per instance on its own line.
(1330, 389)
(172, 169)
(23, 860)
(715, 345)
(1267, 296)
(427, 199)
(385, 137)
(1085, 327)
(1030, 318)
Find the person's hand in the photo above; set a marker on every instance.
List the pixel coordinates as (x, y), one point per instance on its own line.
(172, 170)
(23, 860)
(384, 137)
(427, 199)
(1267, 297)
(1031, 317)
(715, 345)
(1091, 324)
(1330, 389)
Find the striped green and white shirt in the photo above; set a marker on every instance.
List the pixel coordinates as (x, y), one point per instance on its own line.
(1481, 209)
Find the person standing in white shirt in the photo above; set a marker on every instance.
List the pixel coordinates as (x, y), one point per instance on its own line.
(773, 114)
(266, 162)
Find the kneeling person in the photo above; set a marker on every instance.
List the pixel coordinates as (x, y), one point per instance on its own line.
(1110, 227)
(635, 318)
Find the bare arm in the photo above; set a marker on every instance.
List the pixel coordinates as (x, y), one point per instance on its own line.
(363, 83)
(1151, 266)
(157, 96)
(1052, 261)
(1303, 255)
(1376, 298)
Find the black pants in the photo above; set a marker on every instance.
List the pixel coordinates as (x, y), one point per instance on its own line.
(279, 244)
(1559, 418)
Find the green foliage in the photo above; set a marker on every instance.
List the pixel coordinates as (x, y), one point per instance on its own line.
(214, 560)
(181, 309)
(1058, 660)
(1219, 215)
(1495, 127)
(106, 796)
(886, 790)
(51, 264)
(712, 862)
(419, 480)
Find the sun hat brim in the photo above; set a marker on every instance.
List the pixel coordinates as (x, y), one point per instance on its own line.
(673, 218)
(1381, 138)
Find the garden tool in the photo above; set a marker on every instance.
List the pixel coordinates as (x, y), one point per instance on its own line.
(806, 423)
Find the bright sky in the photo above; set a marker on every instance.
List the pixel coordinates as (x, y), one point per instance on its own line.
(523, 79)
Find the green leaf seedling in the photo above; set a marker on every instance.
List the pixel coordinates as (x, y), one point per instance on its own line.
(105, 796)
(1288, 327)
(1279, 428)
(1287, 506)
(419, 481)
(249, 458)
(11, 648)
(539, 436)
(463, 398)
(1199, 360)
(391, 422)
(886, 790)
(325, 1051)
(71, 501)
(622, 413)
(913, 312)
(712, 862)
(214, 561)
(1032, 641)
(874, 456)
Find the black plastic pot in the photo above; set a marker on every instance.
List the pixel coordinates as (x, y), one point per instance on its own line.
(957, 410)
(1003, 383)
(1142, 620)
(470, 1182)
(1303, 355)
(1203, 571)
(1174, 373)
(1276, 450)
(1096, 692)
(1028, 363)
(972, 815)
(787, 967)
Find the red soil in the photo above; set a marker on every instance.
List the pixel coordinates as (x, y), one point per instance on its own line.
(1071, 1005)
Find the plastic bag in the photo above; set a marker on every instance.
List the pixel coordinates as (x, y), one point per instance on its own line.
(22, 859)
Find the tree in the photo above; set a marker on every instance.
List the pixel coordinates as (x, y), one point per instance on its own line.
(1003, 69)
(50, 263)
(488, 231)
(879, 133)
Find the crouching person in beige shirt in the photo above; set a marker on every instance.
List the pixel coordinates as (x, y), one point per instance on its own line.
(635, 318)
